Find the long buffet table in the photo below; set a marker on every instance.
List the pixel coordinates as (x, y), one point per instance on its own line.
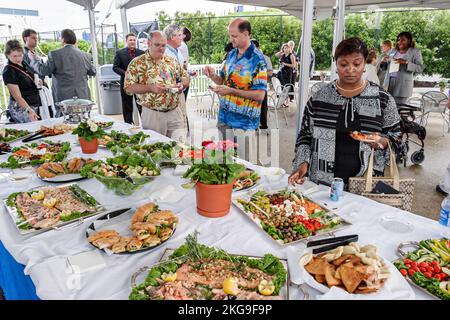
(45, 255)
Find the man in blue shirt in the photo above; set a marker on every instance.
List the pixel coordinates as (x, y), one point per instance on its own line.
(242, 82)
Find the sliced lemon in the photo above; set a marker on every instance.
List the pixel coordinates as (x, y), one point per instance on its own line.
(230, 286)
(38, 195)
(169, 277)
(266, 288)
(49, 202)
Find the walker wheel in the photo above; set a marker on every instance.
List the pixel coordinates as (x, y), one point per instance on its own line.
(417, 157)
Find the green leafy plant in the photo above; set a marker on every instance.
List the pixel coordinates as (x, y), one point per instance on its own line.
(89, 130)
(214, 163)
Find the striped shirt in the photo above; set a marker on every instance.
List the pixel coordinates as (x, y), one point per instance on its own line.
(316, 142)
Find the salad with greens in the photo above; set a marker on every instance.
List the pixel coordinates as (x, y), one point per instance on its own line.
(287, 216)
(37, 153)
(125, 173)
(429, 267)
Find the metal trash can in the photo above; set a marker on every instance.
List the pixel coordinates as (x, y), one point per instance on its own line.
(110, 90)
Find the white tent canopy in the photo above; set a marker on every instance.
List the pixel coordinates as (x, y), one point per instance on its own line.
(307, 10)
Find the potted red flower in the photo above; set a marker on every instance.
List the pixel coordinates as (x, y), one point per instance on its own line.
(88, 132)
(213, 172)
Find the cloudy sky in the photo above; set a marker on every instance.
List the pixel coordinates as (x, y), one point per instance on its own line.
(59, 14)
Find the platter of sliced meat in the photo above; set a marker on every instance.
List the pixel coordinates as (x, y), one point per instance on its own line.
(49, 208)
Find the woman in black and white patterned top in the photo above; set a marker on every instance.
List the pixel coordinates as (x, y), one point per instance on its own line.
(324, 148)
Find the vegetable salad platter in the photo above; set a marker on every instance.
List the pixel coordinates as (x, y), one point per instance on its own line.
(125, 173)
(428, 266)
(198, 272)
(36, 154)
(132, 231)
(287, 216)
(49, 208)
(11, 135)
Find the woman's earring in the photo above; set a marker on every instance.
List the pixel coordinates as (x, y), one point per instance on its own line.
(364, 70)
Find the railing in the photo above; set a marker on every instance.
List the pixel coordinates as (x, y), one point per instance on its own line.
(198, 87)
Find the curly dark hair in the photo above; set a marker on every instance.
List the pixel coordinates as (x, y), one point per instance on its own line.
(349, 46)
(12, 45)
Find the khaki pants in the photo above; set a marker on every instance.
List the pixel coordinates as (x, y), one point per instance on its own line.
(246, 140)
(172, 124)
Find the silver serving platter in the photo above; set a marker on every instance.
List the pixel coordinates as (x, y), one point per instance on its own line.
(343, 225)
(12, 211)
(64, 178)
(141, 274)
(402, 255)
(109, 218)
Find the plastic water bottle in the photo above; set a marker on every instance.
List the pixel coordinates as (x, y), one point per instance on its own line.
(445, 212)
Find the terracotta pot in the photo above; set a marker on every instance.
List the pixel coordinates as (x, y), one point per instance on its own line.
(88, 146)
(213, 200)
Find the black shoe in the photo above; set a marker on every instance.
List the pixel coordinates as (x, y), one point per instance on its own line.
(438, 189)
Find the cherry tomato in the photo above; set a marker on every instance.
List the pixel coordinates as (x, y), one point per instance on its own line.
(411, 272)
(423, 265)
(423, 269)
(430, 269)
(434, 263)
(437, 269)
(413, 264)
(404, 272)
(443, 275)
(408, 261)
(437, 276)
(408, 265)
(427, 274)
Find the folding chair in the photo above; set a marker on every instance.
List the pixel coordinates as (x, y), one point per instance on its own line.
(278, 104)
(434, 102)
(278, 89)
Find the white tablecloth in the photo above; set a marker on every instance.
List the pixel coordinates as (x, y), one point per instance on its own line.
(45, 255)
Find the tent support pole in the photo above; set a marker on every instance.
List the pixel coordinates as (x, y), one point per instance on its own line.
(305, 59)
(339, 28)
(95, 57)
(124, 18)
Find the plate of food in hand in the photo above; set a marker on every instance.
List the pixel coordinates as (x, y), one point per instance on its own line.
(365, 137)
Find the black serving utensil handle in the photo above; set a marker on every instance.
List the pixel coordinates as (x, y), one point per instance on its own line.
(34, 136)
(333, 246)
(353, 237)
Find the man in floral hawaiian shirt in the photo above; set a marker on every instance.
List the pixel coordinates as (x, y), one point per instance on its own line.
(241, 85)
(157, 80)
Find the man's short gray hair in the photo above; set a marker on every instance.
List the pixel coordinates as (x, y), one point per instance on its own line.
(170, 30)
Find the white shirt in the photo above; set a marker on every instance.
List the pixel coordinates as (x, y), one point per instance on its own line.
(184, 51)
(371, 74)
(174, 53)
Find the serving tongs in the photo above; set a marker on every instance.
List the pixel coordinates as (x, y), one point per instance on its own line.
(331, 243)
(35, 136)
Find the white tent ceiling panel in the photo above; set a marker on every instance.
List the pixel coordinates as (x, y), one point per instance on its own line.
(87, 4)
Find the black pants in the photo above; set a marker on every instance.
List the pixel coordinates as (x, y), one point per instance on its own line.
(127, 107)
(263, 119)
(186, 91)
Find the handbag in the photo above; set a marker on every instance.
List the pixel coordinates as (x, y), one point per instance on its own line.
(364, 185)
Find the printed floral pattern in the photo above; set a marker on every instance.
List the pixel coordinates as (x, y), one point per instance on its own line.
(145, 70)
